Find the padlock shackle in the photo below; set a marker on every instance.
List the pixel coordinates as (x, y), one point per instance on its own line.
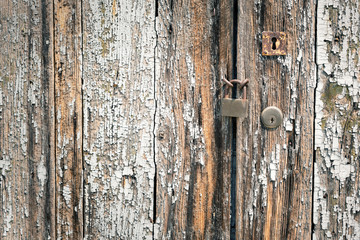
(241, 82)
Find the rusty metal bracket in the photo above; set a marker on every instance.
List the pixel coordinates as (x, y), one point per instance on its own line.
(274, 43)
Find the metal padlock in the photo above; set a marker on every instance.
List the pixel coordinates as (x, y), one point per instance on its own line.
(235, 107)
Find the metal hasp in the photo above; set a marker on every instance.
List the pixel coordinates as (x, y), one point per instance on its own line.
(235, 107)
(274, 43)
(271, 117)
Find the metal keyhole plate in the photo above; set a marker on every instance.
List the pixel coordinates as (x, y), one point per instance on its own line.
(274, 43)
(271, 117)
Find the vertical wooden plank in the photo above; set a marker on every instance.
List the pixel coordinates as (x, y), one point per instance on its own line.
(336, 195)
(274, 167)
(224, 27)
(119, 108)
(68, 118)
(26, 120)
(193, 142)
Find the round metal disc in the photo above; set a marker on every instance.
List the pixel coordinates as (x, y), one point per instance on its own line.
(271, 117)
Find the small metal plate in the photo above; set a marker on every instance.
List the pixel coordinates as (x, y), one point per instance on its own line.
(274, 43)
(234, 107)
(271, 117)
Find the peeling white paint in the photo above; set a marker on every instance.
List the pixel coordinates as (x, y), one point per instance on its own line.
(119, 109)
(338, 33)
(274, 163)
(41, 172)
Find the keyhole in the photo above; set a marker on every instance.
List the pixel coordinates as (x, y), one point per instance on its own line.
(272, 120)
(274, 43)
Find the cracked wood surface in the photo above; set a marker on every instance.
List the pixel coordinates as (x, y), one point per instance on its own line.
(27, 196)
(336, 177)
(193, 144)
(68, 119)
(110, 125)
(119, 108)
(274, 167)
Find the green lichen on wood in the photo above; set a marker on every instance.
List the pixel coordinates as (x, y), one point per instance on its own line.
(348, 117)
(323, 122)
(352, 117)
(332, 90)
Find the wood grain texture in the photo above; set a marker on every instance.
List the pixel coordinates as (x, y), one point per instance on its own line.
(68, 119)
(193, 143)
(119, 109)
(110, 123)
(27, 193)
(336, 176)
(226, 136)
(274, 167)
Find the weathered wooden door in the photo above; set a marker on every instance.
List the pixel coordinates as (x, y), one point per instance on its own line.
(110, 124)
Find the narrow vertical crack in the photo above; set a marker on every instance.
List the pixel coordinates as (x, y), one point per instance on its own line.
(82, 118)
(314, 124)
(46, 60)
(234, 129)
(154, 121)
(55, 115)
